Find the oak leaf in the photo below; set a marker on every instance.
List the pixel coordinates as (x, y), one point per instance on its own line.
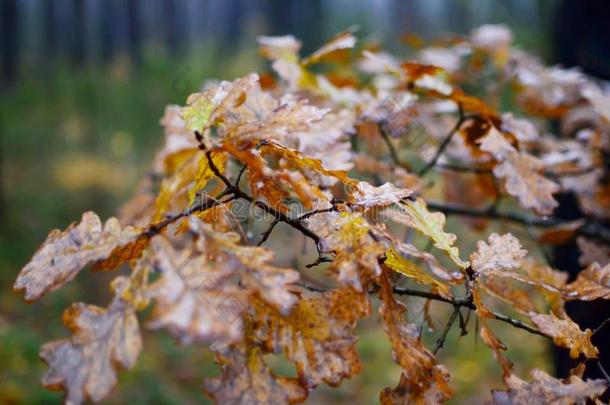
(409, 269)
(64, 254)
(368, 196)
(247, 380)
(566, 333)
(415, 214)
(425, 378)
(103, 341)
(591, 284)
(317, 335)
(503, 253)
(547, 390)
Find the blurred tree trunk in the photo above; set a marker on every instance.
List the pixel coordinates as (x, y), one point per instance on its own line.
(582, 38)
(9, 42)
(134, 31)
(78, 33)
(49, 39)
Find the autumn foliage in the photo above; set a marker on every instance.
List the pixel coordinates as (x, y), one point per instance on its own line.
(360, 156)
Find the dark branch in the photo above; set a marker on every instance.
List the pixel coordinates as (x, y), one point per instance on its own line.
(467, 303)
(445, 143)
(267, 232)
(441, 340)
(590, 228)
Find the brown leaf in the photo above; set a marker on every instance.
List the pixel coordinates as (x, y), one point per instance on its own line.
(521, 172)
(317, 335)
(495, 344)
(247, 380)
(343, 40)
(422, 377)
(103, 341)
(560, 234)
(408, 393)
(409, 269)
(415, 214)
(296, 158)
(503, 253)
(356, 253)
(591, 284)
(368, 196)
(523, 181)
(63, 255)
(547, 390)
(591, 252)
(566, 333)
(194, 299)
(503, 289)
(204, 289)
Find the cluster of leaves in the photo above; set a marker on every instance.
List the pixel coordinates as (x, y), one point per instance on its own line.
(337, 146)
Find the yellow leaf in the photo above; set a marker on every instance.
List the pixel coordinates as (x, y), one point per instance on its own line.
(415, 214)
(205, 173)
(409, 269)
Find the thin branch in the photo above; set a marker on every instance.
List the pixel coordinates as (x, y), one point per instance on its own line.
(441, 340)
(467, 303)
(204, 205)
(591, 228)
(280, 216)
(240, 174)
(267, 232)
(601, 326)
(445, 143)
(390, 145)
(463, 169)
(603, 370)
(315, 212)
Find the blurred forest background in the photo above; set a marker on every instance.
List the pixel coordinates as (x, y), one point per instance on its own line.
(83, 84)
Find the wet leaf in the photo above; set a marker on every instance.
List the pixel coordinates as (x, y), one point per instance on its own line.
(64, 254)
(591, 284)
(566, 333)
(317, 336)
(247, 380)
(544, 390)
(415, 214)
(103, 340)
(409, 269)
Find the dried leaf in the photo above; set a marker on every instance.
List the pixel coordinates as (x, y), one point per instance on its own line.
(503, 253)
(343, 40)
(591, 284)
(523, 181)
(409, 269)
(566, 333)
(415, 215)
(103, 341)
(495, 344)
(547, 390)
(247, 380)
(425, 378)
(591, 252)
(317, 335)
(368, 196)
(204, 290)
(64, 254)
(356, 252)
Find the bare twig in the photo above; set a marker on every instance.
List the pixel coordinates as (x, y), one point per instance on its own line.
(441, 340)
(390, 145)
(445, 143)
(467, 303)
(267, 232)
